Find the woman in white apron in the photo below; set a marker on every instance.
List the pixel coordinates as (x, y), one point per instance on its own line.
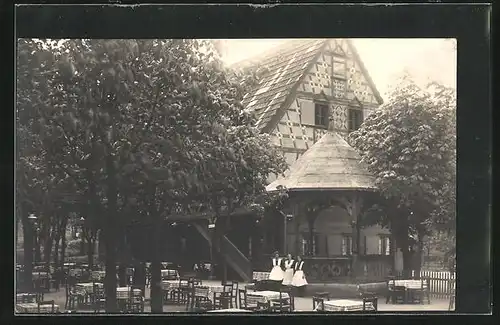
(276, 272)
(299, 279)
(288, 275)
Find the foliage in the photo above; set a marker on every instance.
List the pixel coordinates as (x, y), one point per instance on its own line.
(73, 247)
(409, 146)
(139, 129)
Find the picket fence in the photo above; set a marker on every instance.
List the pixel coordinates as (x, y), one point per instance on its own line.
(440, 287)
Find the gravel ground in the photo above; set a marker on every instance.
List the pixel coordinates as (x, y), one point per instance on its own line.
(301, 303)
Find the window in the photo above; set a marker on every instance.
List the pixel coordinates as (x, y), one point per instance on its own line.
(346, 245)
(321, 115)
(384, 245)
(355, 119)
(306, 248)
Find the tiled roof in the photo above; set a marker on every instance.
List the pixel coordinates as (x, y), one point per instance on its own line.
(331, 163)
(284, 66)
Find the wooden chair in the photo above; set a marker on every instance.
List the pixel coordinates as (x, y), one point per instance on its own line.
(73, 297)
(398, 295)
(178, 294)
(234, 301)
(283, 304)
(243, 301)
(426, 289)
(230, 286)
(395, 294)
(451, 286)
(200, 300)
(318, 303)
(369, 298)
(45, 303)
(98, 299)
(222, 300)
(135, 301)
(148, 276)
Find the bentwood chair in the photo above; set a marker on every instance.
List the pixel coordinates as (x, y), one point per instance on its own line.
(283, 304)
(318, 303)
(451, 285)
(46, 303)
(369, 298)
(222, 300)
(98, 298)
(230, 286)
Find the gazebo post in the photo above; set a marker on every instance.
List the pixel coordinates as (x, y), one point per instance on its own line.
(298, 210)
(353, 204)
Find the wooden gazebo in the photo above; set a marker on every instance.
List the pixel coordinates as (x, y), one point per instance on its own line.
(331, 174)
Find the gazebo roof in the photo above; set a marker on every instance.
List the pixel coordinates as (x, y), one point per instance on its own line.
(330, 164)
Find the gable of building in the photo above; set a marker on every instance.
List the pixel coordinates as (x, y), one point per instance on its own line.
(284, 67)
(338, 79)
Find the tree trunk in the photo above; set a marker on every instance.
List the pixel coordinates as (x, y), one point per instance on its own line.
(56, 249)
(28, 254)
(63, 249)
(38, 253)
(47, 250)
(156, 289)
(110, 277)
(139, 278)
(122, 274)
(83, 236)
(90, 252)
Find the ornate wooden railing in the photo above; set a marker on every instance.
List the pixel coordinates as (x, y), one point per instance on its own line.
(327, 269)
(338, 269)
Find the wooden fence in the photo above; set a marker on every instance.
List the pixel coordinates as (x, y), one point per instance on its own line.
(439, 283)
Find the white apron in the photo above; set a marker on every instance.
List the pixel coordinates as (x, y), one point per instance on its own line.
(299, 279)
(276, 272)
(288, 276)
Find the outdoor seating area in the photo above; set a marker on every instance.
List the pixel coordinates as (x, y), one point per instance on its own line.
(408, 291)
(254, 186)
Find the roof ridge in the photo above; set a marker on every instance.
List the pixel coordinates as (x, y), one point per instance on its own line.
(273, 51)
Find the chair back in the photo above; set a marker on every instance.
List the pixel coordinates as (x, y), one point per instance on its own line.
(426, 282)
(318, 303)
(286, 290)
(98, 290)
(242, 297)
(369, 297)
(45, 303)
(451, 285)
(228, 287)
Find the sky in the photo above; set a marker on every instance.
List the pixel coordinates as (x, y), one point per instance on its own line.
(426, 59)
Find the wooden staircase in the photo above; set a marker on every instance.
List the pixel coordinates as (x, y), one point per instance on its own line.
(234, 257)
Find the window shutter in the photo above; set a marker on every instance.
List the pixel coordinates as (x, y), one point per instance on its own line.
(307, 112)
(344, 250)
(304, 246)
(387, 246)
(350, 245)
(380, 246)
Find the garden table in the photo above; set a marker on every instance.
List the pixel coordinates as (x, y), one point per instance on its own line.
(344, 305)
(32, 307)
(264, 297)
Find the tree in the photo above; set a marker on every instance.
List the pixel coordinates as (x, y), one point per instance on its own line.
(140, 128)
(409, 146)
